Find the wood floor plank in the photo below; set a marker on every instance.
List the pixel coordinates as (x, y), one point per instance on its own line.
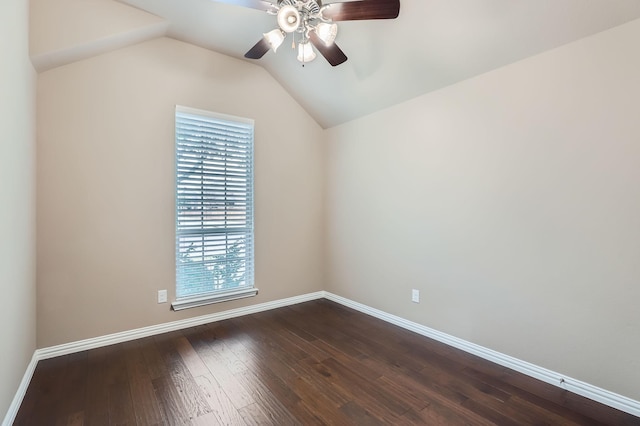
(97, 403)
(268, 403)
(74, 386)
(146, 408)
(276, 371)
(156, 367)
(381, 396)
(172, 404)
(355, 393)
(319, 403)
(208, 419)
(120, 404)
(49, 396)
(308, 372)
(409, 393)
(218, 369)
(438, 414)
(311, 363)
(490, 414)
(359, 415)
(281, 370)
(192, 399)
(75, 419)
(191, 358)
(271, 340)
(252, 415)
(283, 317)
(116, 378)
(222, 408)
(278, 388)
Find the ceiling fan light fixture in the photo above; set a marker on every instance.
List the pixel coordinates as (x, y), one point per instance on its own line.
(274, 38)
(305, 52)
(314, 24)
(288, 18)
(327, 32)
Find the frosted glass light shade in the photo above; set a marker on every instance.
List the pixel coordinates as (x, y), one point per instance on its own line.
(274, 38)
(327, 32)
(305, 52)
(288, 18)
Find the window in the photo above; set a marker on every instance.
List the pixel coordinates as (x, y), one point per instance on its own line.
(214, 208)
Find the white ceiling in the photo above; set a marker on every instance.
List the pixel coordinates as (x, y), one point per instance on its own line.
(432, 44)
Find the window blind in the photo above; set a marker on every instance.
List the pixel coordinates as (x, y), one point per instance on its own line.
(214, 207)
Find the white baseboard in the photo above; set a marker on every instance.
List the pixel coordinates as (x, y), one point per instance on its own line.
(124, 336)
(595, 393)
(22, 390)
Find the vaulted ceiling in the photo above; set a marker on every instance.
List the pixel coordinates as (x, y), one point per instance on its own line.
(432, 44)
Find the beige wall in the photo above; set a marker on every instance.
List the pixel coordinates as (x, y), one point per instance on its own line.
(17, 199)
(106, 186)
(512, 201)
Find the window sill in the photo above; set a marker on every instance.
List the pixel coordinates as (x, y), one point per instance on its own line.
(193, 302)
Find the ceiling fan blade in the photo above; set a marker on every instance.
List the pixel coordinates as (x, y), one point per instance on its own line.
(363, 9)
(258, 51)
(332, 53)
(263, 5)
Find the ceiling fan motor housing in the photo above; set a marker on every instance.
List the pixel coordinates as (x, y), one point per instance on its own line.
(311, 7)
(294, 14)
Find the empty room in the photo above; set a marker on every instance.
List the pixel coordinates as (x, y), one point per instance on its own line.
(302, 212)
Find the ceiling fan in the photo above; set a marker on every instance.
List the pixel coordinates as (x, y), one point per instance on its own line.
(314, 24)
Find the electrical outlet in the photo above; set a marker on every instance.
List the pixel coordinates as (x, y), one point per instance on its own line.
(162, 296)
(415, 296)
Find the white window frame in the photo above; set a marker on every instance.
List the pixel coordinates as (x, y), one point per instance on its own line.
(225, 226)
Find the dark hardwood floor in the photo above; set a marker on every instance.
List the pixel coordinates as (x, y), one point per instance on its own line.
(312, 363)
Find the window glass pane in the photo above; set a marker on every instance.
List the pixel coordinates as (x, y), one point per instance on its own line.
(214, 203)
